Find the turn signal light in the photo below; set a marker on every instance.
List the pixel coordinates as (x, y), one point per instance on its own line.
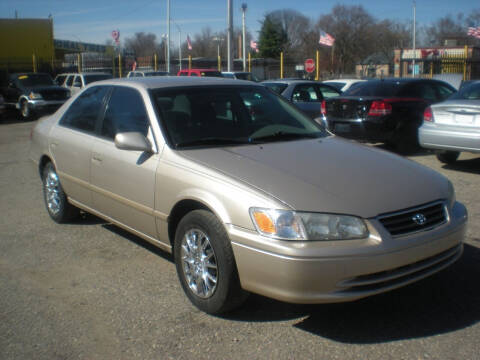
(380, 108)
(428, 114)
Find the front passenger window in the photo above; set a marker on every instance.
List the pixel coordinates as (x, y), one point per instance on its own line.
(83, 113)
(125, 113)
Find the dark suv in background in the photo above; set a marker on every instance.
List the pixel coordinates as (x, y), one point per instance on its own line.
(33, 93)
(387, 110)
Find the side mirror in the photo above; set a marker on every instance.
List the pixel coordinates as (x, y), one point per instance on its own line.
(132, 141)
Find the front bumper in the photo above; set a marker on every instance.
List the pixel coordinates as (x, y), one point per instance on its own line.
(451, 138)
(45, 105)
(337, 271)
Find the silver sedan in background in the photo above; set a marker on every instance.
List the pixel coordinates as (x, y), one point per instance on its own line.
(453, 126)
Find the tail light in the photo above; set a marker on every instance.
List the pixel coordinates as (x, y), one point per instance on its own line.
(380, 108)
(323, 108)
(428, 114)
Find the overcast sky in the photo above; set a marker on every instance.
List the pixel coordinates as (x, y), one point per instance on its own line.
(93, 20)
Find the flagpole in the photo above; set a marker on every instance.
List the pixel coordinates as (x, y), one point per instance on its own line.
(168, 36)
(333, 50)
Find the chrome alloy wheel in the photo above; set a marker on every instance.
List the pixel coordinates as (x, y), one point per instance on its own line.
(52, 192)
(199, 263)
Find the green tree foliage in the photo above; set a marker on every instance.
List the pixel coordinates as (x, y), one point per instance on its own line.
(272, 39)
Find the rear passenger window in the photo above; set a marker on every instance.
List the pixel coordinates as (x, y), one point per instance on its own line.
(69, 81)
(83, 113)
(125, 113)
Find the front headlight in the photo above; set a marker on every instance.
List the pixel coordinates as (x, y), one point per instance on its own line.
(294, 225)
(451, 198)
(35, 96)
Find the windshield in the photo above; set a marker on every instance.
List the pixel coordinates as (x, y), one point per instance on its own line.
(467, 92)
(375, 88)
(221, 116)
(276, 87)
(91, 78)
(246, 76)
(211, 73)
(156, 73)
(35, 80)
(336, 85)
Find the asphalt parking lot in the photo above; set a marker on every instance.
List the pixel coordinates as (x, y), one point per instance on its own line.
(89, 290)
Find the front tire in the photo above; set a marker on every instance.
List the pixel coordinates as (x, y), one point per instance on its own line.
(58, 207)
(205, 263)
(448, 157)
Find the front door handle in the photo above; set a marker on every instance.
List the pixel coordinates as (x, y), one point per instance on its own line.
(97, 157)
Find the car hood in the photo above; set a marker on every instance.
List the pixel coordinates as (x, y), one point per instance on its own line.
(328, 175)
(42, 89)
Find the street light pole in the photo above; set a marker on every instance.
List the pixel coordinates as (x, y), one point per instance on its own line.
(244, 9)
(168, 36)
(229, 35)
(414, 39)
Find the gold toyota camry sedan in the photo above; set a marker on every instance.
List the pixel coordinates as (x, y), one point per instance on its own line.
(247, 192)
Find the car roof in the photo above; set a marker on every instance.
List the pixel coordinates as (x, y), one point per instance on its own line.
(174, 81)
(85, 73)
(288, 82)
(199, 69)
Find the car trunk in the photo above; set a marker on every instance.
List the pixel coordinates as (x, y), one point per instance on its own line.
(457, 115)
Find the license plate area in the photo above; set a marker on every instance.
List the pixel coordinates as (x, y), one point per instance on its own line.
(343, 128)
(464, 119)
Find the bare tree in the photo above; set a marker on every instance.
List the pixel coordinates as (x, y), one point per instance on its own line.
(352, 28)
(453, 27)
(143, 44)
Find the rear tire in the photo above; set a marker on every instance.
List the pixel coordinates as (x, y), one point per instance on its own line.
(406, 141)
(58, 207)
(448, 157)
(205, 263)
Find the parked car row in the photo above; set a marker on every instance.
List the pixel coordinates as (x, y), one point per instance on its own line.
(453, 126)
(246, 191)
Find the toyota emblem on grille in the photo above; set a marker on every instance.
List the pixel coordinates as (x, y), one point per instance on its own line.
(419, 219)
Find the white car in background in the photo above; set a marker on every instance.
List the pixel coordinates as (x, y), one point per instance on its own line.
(142, 73)
(342, 84)
(76, 82)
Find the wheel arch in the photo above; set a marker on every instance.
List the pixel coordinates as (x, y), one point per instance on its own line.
(44, 160)
(185, 206)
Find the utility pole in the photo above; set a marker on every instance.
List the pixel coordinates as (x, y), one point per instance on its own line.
(229, 35)
(414, 39)
(168, 36)
(244, 10)
(179, 46)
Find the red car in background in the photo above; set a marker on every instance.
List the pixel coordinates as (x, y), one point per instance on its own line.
(200, 72)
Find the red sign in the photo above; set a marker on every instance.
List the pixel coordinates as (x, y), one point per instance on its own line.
(309, 65)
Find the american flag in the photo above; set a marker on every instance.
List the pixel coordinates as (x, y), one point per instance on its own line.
(189, 43)
(253, 45)
(116, 36)
(475, 32)
(326, 39)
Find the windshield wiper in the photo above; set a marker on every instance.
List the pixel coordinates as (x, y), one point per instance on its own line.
(282, 135)
(213, 141)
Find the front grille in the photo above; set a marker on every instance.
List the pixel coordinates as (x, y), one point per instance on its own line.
(412, 220)
(385, 280)
(54, 95)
